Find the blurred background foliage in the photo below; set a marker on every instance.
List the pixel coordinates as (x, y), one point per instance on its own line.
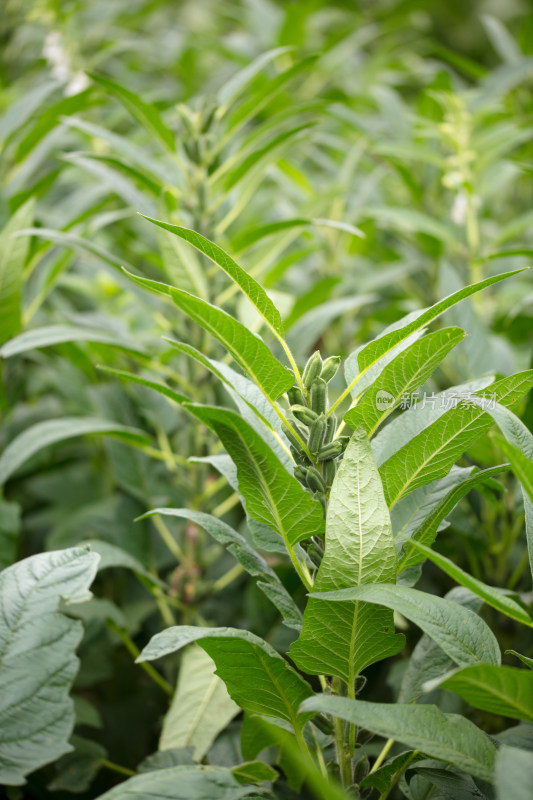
(362, 159)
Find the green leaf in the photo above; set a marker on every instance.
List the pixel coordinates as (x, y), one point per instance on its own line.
(385, 777)
(144, 113)
(182, 265)
(254, 772)
(409, 370)
(273, 496)
(250, 236)
(426, 515)
(37, 658)
(201, 707)
(58, 334)
(450, 785)
(491, 595)
(428, 661)
(375, 350)
(250, 352)
(248, 558)
(258, 679)
(463, 636)
(520, 463)
(13, 253)
(448, 737)
(235, 85)
(9, 532)
(43, 434)
(181, 783)
(342, 639)
(514, 773)
(506, 691)
(431, 454)
(161, 388)
(524, 659)
(249, 286)
(75, 771)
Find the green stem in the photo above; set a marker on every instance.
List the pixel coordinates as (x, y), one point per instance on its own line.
(117, 768)
(134, 650)
(343, 756)
(382, 756)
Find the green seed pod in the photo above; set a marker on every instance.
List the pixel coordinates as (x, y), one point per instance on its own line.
(330, 428)
(300, 473)
(323, 724)
(344, 441)
(315, 480)
(316, 434)
(304, 414)
(300, 457)
(330, 367)
(330, 470)
(319, 396)
(331, 450)
(361, 769)
(296, 397)
(312, 369)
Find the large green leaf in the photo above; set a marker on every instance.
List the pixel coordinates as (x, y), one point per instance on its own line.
(253, 290)
(448, 737)
(13, 252)
(273, 496)
(428, 512)
(506, 691)
(43, 434)
(181, 783)
(491, 595)
(432, 453)
(258, 679)
(248, 558)
(201, 707)
(406, 373)
(342, 639)
(58, 334)
(464, 636)
(37, 658)
(514, 773)
(375, 350)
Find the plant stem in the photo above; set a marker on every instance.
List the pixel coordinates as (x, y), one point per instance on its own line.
(382, 756)
(227, 578)
(134, 650)
(343, 756)
(117, 768)
(168, 539)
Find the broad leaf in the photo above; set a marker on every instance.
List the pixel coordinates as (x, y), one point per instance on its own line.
(58, 334)
(37, 658)
(253, 290)
(463, 636)
(385, 777)
(342, 639)
(201, 707)
(248, 558)
(43, 434)
(13, 252)
(432, 453)
(181, 783)
(492, 596)
(404, 375)
(258, 679)
(506, 691)
(514, 773)
(273, 496)
(448, 737)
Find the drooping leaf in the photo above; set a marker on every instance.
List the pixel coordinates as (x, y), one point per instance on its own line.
(273, 496)
(254, 772)
(404, 375)
(342, 639)
(253, 290)
(502, 690)
(43, 434)
(57, 334)
(37, 658)
(428, 661)
(432, 453)
(251, 561)
(258, 679)
(514, 773)
(201, 707)
(181, 783)
(524, 659)
(447, 737)
(13, 252)
(427, 515)
(491, 595)
(464, 636)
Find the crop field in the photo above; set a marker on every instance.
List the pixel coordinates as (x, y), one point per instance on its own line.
(266, 407)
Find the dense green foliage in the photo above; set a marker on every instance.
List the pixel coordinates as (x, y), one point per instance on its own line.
(266, 461)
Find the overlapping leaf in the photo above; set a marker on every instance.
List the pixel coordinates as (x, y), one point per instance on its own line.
(506, 691)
